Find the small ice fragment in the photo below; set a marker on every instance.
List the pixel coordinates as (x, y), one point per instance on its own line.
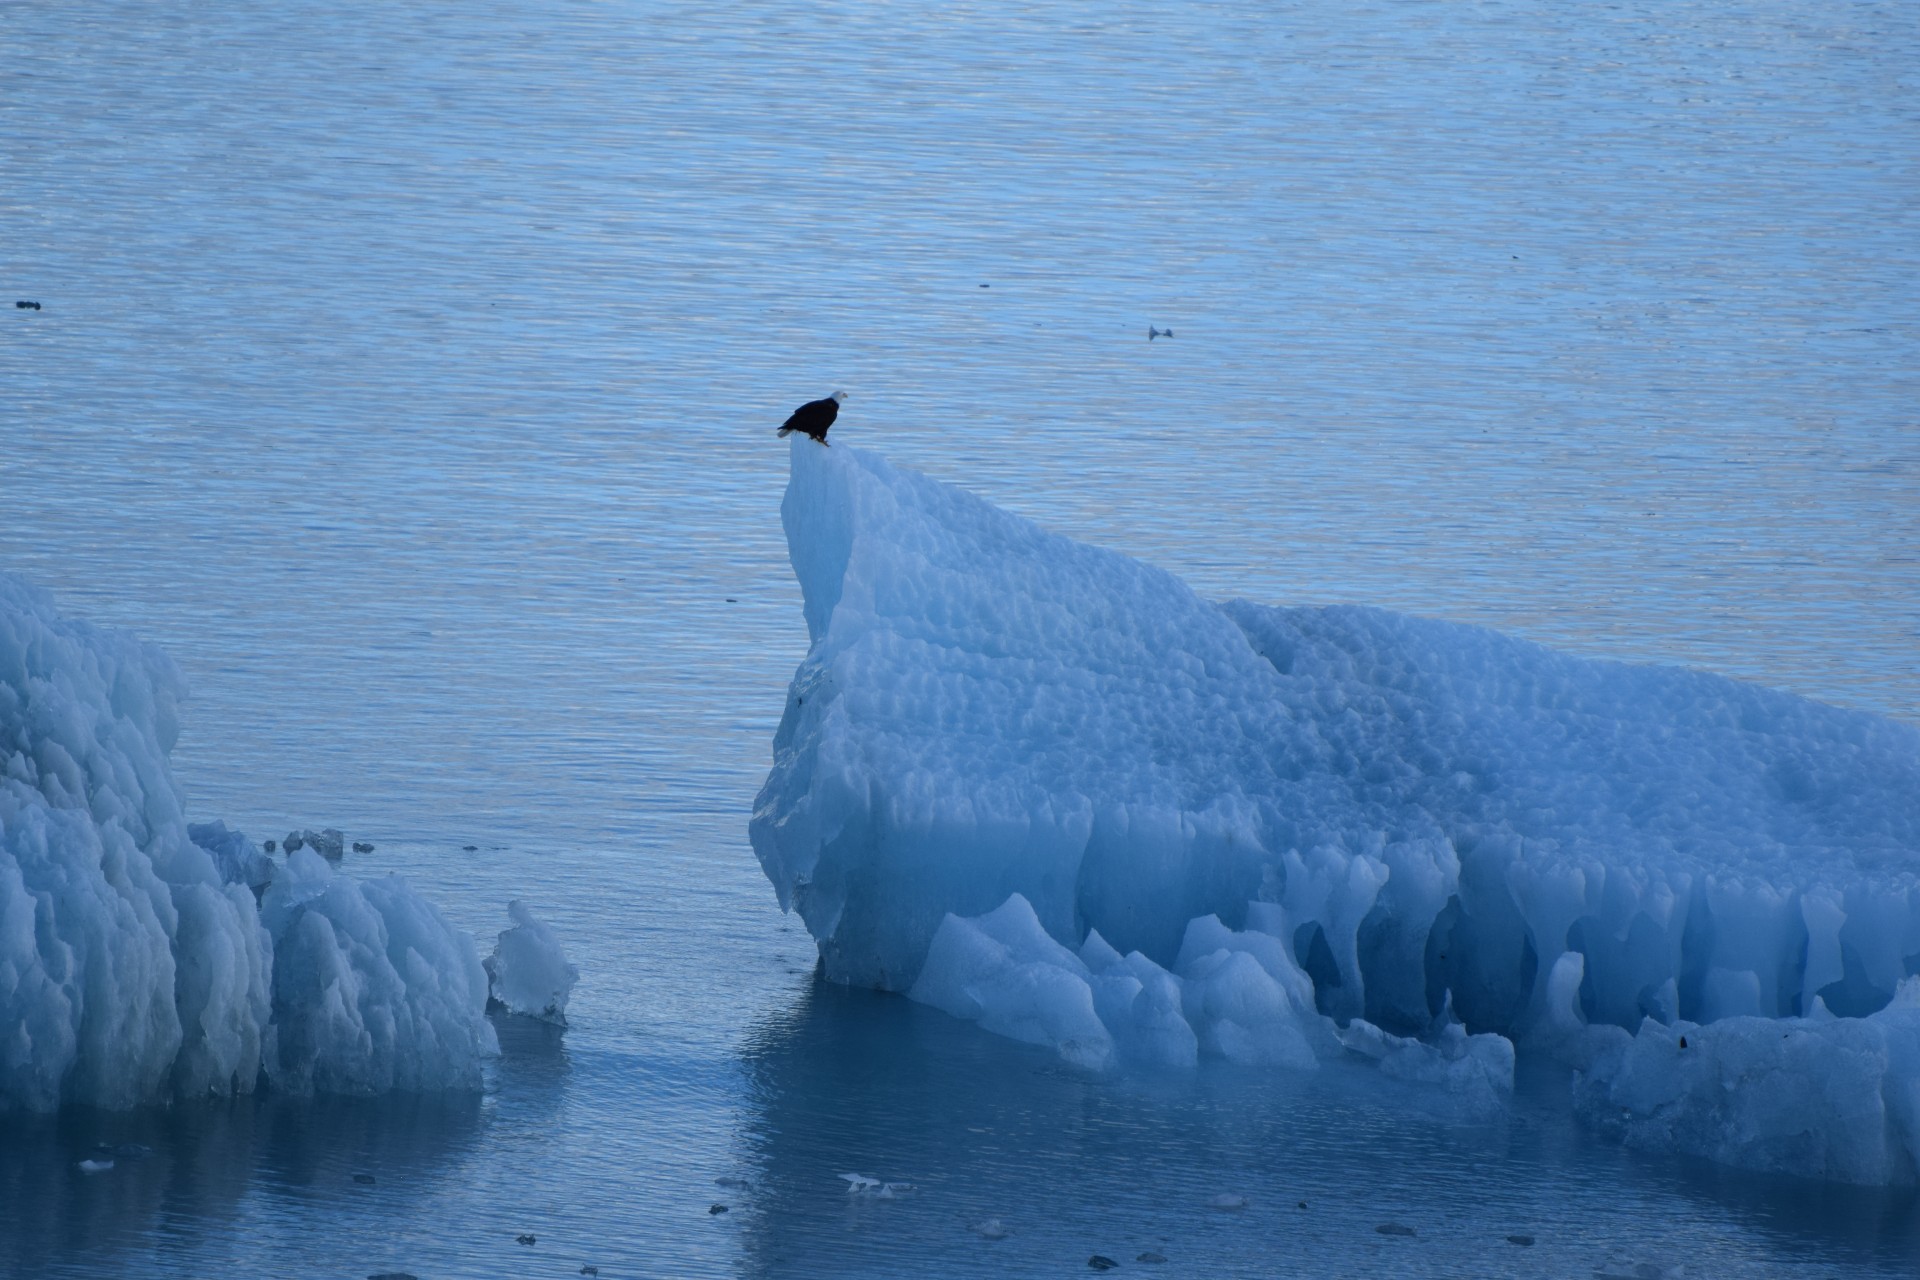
(1228, 1200)
(95, 1166)
(525, 1239)
(859, 1183)
(1520, 1240)
(888, 1190)
(528, 973)
(1395, 1229)
(1151, 1257)
(991, 1229)
(732, 1184)
(364, 1179)
(716, 1209)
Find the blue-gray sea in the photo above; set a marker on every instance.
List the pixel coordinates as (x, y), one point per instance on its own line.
(409, 372)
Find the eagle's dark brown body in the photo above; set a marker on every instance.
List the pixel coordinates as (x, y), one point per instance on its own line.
(814, 417)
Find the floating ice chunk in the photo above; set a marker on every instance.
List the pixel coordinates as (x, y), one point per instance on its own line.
(94, 1164)
(859, 1184)
(1476, 1069)
(527, 972)
(1428, 817)
(990, 1229)
(1003, 971)
(1829, 1097)
(1231, 1201)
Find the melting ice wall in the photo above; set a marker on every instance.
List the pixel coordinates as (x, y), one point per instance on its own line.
(1435, 823)
(141, 958)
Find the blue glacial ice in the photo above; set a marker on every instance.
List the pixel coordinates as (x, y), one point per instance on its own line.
(1048, 788)
(143, 959)
(528, 972)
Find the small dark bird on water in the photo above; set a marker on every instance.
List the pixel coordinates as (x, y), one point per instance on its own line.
(1153, 333)
(814, 417)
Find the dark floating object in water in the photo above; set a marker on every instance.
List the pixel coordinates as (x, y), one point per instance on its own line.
(526, 1239)
(364, 1179)
(1395, 1229)
(986, 286)
(34, 306)
(361, 846)
(1151, 1257)
(1153, 333)
(589, 1270)
(393, 1275)
(732, 1184)
(269, 846)
(292, 844)
(1524, 1241)
(716, 1209)
(471, 848)
(1303, 1204)
(1101, 1262)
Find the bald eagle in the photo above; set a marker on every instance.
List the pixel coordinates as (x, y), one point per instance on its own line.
(814, 417)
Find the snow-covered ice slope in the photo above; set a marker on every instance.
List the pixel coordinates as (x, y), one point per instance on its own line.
(1434, 821)
(142, 959)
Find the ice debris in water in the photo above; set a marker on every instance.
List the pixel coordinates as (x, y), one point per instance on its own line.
(527, 972)
(1229, 1201)
(328, 843)
(142, 959)
(95, 1164)
(1048, 788)
(990, 1229)
(861, 1185)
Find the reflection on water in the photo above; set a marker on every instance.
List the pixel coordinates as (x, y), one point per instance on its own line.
(181, 1176)
(1073, 1165)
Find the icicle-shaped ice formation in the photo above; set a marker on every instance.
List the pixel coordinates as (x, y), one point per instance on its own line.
(1427, 821)
(138, 959)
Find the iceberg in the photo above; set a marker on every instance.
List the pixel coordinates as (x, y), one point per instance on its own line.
(143, 958)
(1049, 788)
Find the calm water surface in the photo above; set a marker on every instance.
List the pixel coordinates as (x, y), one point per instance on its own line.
(409, 373)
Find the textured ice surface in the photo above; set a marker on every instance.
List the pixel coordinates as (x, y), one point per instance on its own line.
(142, 959)
(528, 972)
(1395, 823)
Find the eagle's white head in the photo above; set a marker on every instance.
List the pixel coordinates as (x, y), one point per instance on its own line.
(838, 396)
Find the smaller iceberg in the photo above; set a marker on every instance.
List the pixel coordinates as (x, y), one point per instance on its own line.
(527, 972)
(143, 958)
